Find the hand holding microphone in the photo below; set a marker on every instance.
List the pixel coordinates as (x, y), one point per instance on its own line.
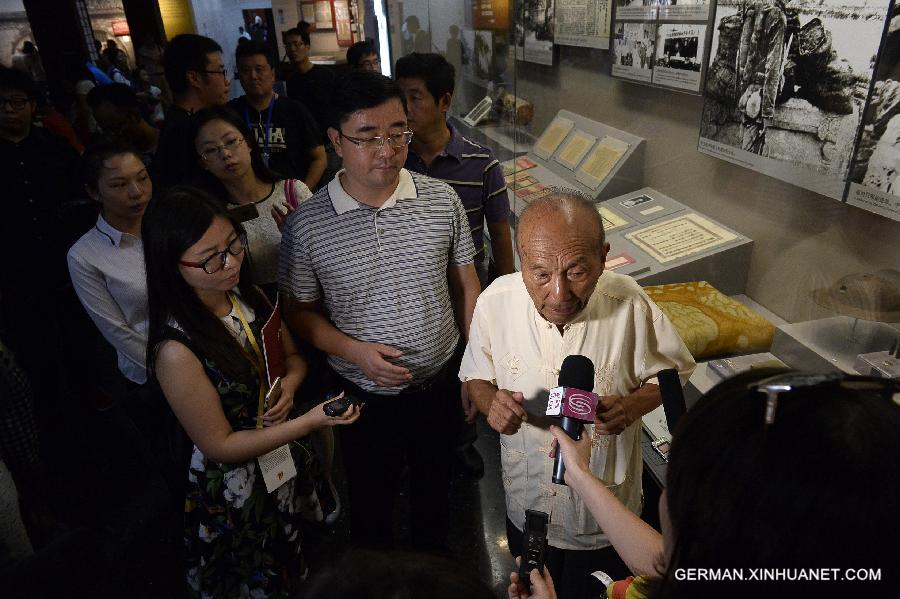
(576, 454)
(573, 401)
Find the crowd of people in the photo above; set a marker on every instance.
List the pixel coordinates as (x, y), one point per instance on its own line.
(338, 221)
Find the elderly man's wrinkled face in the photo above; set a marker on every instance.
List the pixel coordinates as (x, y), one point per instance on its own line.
(561, 263)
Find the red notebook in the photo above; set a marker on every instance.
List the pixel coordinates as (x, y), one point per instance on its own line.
(272, 346)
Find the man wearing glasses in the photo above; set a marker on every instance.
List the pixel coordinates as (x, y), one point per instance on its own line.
(196, 74)
(39, 314)
(388, 255)
(285, 131)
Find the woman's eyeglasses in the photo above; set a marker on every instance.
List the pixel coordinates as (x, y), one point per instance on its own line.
(216, 262)
(231, 145)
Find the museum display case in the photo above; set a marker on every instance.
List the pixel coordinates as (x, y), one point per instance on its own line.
(743, 155)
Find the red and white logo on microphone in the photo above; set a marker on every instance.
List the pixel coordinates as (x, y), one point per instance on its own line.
(574, 403)
(580, 404)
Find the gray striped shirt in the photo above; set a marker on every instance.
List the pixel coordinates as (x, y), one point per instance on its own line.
(381, 273)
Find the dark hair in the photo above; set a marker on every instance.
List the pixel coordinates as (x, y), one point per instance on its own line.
(395, 575)
(94, 157)
(816, 488)
(16, 80)
(172, 224)
(438, 74)
(119, 95)
(253, 48)
(186, 52)
(300, 32)
(206, 180)
(360, 50)
(359, 90)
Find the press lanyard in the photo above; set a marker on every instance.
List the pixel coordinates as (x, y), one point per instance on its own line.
(257, 360)
(265, 152)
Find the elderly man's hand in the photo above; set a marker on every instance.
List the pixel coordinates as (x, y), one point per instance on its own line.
(507, 414)
(612, 417)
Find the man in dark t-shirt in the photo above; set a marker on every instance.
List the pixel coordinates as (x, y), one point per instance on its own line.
(314, 86)
(311, 84)
(198, 79)
(285, 131)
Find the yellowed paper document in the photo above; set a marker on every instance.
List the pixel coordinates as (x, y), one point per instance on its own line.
(552, 137)
(574, 151)
(680, 237)
(611, 220)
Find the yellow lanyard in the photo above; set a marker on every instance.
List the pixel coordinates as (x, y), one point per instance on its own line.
(259, 362)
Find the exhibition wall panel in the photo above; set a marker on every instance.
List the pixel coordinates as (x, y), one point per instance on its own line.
(803, 241)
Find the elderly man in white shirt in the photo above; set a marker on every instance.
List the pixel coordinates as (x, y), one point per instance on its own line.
(524, 325)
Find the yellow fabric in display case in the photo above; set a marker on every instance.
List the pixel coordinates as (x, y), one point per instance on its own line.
(710, 322)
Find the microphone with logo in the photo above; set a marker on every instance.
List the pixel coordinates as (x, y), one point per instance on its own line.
(574, 402)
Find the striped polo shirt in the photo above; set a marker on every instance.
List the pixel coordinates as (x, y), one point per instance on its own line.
(381, 273)
(477, 178)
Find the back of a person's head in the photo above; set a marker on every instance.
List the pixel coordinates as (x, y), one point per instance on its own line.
(815, 488)
(438, 74)
(359, 50)
(254, 48)
(119, 95)
(359, 90)
(395, 575)
(14, 80)
(186, 52)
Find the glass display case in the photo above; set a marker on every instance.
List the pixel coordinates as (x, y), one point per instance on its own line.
(770, 159)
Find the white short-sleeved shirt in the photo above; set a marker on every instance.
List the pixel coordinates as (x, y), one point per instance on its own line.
(628, 339)
(263, 235)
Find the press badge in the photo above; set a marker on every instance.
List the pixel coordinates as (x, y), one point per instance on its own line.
(277, 467)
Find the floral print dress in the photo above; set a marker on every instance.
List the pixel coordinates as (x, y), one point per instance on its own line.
(240, 540)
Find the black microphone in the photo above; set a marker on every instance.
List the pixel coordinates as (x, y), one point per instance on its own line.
(575, 401)
(672, 396)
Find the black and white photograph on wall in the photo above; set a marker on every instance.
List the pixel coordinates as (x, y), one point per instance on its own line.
(679, 56)
(875, 169)
(538, 20)
(787, 85)
(483, 54)
(517, 30)
(684, 10)
(583, 23)
(644, 10)
(633, 50)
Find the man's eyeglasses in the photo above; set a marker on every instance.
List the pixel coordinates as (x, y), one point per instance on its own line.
(223, 72)
(782, 384)
(16, 102)
(396, 140)
(216, 262)
(218, 151)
